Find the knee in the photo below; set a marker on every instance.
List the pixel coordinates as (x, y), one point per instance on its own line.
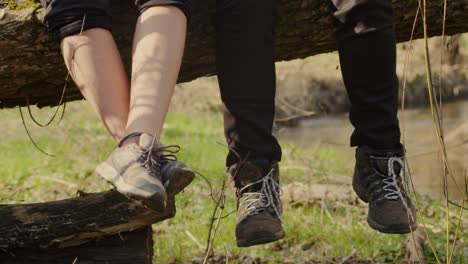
(184, 5)
(68, 17)
(362, 16)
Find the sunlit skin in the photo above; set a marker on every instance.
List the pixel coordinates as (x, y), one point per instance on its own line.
(96, 67)
(140, 105)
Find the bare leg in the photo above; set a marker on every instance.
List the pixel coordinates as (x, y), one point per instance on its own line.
(96, 67)
(158, 47)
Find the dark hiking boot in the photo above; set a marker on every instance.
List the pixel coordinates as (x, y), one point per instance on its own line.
(258, 202)
(377, 181)
(135, 169)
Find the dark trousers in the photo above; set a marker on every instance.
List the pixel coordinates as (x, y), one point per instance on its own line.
(245, 63)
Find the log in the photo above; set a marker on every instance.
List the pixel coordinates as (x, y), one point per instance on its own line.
(71, 221)
(134, 247)
(32, 71)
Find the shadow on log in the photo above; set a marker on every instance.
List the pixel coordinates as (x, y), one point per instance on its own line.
(135, 247)
(32, 71)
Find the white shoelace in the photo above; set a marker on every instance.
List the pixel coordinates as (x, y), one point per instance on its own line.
(267, 196)
(392, 188)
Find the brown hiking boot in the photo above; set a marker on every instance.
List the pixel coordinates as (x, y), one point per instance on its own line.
(258, 202)
(136, 167)
(377, 181)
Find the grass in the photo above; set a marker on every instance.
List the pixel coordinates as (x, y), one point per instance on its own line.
(18, 5)
(330, 231)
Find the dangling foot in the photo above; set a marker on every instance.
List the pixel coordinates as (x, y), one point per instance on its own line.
(377, 181)
(258, 203)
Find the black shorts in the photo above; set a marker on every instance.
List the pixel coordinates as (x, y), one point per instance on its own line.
(65, 17)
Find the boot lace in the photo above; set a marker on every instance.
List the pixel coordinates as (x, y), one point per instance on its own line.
(153, 159)
(268, 196)
(391, 184)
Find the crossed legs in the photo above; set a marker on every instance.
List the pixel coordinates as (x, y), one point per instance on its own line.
(138, 167)
(96, 67)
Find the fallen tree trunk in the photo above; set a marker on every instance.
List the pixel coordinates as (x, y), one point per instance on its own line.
(70, 222)
(32, 70)
(134, 247)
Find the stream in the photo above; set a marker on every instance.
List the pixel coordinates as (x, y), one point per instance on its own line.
(425, 162)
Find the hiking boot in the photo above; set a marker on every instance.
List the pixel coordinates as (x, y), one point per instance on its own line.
(377, 181)
(135, 169)
(258, 202)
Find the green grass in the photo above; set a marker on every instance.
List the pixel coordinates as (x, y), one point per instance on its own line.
(14, 5)
(313, 232)
(464, 42)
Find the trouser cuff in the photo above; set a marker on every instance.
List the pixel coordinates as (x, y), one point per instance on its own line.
(72, 25)
(184, 5)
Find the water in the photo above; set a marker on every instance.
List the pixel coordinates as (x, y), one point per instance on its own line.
(424, 159)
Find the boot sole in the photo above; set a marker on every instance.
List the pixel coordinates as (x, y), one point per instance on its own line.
(263, 239)
(178, 183)
(391, 229)
(156, 202)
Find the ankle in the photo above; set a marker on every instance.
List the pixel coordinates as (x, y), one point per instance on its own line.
(132, 138)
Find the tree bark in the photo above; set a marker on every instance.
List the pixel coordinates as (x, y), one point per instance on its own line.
(32, 71)
(134, 247)
(70, 222)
